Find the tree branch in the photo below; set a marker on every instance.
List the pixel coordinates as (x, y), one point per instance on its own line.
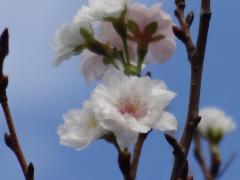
(11, 139)
(200, 157)
(196, 58)
(137, 154)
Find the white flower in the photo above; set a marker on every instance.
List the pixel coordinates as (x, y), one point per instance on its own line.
(132, 105)
(158, 51)
(92, 66)
(213, 118)
(99, 9)
(68, 37)
(80, 128)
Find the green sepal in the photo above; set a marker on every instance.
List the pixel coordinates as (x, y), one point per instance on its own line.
(142, 50)
(88, 36)
(98, 48)
(157, 38)
(151, 29)
(132, 70)
(119, 24)
(79, 49)
(214, 135)
(107, 61)
(133, 27)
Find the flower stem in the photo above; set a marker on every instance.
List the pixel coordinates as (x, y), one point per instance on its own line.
(137, 154)
(126, 51)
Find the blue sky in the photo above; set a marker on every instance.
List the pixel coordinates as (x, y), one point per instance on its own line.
(39, 93)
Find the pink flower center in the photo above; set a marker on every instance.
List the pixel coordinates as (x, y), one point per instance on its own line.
(132, 107)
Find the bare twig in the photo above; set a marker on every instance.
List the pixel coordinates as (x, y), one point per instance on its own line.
(178, 152)
(200, 157)
(196, 59)
(124, 161)
(137, 154)
(11, 139)
(177, 149)
(227, 165)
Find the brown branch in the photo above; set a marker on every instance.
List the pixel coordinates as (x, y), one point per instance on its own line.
(196, 58)
(124, 162)
(178, 152)
(127, 166)
(200, 157)
(137, 154)
(11, 139)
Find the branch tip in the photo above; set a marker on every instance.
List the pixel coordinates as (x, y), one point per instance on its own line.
(190, 18)
(8, 140)
(30, 172)
(178, 151)
(4, 42)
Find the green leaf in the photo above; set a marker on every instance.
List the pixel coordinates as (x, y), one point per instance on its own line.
(133, 27)
(151, 29)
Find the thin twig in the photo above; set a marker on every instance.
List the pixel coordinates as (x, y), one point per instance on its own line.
(227, 165)
(11, 139)
(137, 154)
(200, 157)
(124, 162)
(196, 59)
(178, 152)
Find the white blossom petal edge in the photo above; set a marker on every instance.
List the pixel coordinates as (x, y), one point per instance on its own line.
(214, 118)
(68, 37)
(132, 104)
(80, 128)
(160, 50)
(99, 9)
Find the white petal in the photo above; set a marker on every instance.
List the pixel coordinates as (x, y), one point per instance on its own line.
(92, 66)
(216, 119)
(167, 122)
(79, 130)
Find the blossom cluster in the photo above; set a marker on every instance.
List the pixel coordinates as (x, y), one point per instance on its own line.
(116, 38)
(116, 32)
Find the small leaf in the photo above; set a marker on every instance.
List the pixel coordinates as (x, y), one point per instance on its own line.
(151, 29)
(133, 27)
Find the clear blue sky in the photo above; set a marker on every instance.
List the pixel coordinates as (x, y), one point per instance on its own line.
(39, 93)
